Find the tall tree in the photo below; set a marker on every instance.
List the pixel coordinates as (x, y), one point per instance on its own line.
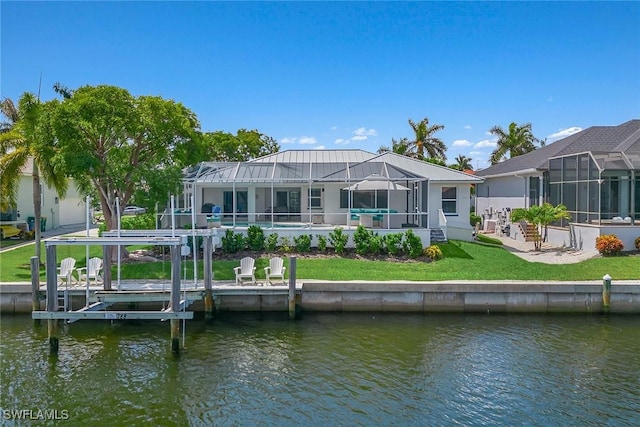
(462, 163)
(29, 142)
(424, 140)
(10, 113)
(244, 145)
(516, 141)
(118, 145)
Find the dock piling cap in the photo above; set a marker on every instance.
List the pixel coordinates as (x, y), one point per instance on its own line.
(606, 277)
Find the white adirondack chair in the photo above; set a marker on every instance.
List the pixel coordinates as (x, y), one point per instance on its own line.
(92, 271)
(65, 271)
(246, 271)
(276, 269)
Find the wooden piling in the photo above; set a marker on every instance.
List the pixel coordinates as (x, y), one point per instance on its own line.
(292, 288)
(208, 278)
(606, 293)
(52, 298)
(175, 298)
(35, 286)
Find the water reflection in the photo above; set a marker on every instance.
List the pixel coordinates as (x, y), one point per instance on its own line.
(356, 369)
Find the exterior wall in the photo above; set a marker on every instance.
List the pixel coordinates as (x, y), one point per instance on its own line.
(583, 236)
(458, 225)
(496, 194)
(58, 211)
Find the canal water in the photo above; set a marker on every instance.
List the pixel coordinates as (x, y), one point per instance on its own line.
(328, 369)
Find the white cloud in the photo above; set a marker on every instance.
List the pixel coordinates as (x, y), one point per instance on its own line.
(365, 132)
(486, 144)
(334, 127)
(563, 133)
(319, 147)
(462, 143)
(307, 140)
(341, 141)
(467, 127)
(359, 138)
(288, 140)
(476, 153)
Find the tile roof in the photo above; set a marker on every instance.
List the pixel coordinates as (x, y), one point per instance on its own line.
(622, 138)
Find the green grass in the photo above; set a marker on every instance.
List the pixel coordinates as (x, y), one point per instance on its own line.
(462, 261)
(486, 239)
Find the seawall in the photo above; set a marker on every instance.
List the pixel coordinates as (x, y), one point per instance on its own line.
(396, 296)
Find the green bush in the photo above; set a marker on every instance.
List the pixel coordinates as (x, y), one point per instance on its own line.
(272, 242)
(393, 243)
(637, 241)
(285, 244)
(434, 252)
(376, 244)
(140, 222)
(412, 244)
(233, 242)
(361, 240)
(609, 244)
(303, 243)
(322, 243)
(338, 240)
(474, 219)
(255, 238)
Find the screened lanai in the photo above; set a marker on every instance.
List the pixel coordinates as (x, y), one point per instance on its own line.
(306, 193)
(596, 187)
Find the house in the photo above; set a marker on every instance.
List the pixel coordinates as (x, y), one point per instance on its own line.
(58, 211)
(323, 189)
(595, 173)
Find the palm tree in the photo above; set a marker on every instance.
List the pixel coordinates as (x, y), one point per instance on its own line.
(426, 141)
(462, 163)
(541, 216)
(9, 110)
(28, 141)
(517, 141)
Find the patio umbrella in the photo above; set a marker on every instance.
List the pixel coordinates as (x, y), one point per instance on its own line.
(375, 182)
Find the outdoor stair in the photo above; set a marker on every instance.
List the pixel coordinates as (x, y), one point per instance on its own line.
(531, 233)
(437, 235)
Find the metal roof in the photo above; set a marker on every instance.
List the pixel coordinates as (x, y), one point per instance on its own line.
(316, 156)
(624, 138)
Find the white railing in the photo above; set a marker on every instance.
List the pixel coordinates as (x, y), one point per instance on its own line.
(442, 222)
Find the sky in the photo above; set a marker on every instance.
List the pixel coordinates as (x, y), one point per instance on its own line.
(343, 75)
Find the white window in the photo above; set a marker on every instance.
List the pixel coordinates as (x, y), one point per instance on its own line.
(315, 198)
(449, 200)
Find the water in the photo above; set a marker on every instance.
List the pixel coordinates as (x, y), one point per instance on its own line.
(331, 369)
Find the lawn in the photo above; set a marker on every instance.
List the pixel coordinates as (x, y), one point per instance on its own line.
(462, 261)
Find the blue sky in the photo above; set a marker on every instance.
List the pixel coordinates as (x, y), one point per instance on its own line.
(336, 75)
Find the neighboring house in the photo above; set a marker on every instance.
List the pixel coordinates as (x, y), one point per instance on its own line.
(57, 211)
(323, 189)
(595, 173)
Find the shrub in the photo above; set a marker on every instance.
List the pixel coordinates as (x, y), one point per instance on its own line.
(338, 239)
(272, 242)
(233, 242)
(393, 243)
(303, 243)
(361, 240)
(376, 244)
(412, 244)
(434, 252)
(474, 219)
(140, 222)
(322, 243)
(637, 243)
(285, 244)
(609, 244)
(255, 238)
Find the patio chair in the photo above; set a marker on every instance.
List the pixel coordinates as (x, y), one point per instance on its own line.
(245, 271)
(276, 268)
(91, 271)
(65, 271)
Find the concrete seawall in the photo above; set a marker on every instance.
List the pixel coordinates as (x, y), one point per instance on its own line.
(398, 296)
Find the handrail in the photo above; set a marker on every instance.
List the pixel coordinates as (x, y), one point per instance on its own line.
(442, 222)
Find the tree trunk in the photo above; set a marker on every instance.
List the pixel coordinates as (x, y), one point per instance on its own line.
(37, 207)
